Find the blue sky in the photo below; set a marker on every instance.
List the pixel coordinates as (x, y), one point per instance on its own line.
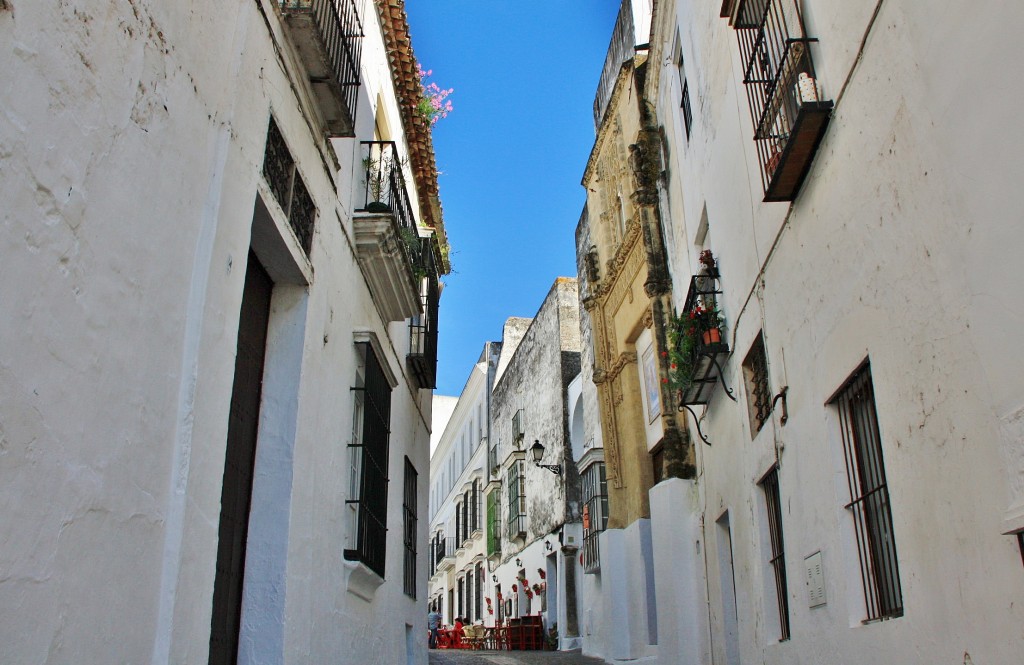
(511, 154)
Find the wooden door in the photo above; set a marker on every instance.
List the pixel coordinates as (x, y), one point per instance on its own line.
(236, 495)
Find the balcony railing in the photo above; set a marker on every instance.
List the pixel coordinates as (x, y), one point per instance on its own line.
(388, 243)
(782, 92)
(422, 357)
(328, 36)
(703, 340)
(444, 553)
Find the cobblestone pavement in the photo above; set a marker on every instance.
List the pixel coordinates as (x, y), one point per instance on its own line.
(446, 657)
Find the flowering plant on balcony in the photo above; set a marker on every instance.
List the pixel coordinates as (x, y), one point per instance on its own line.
(688, 332)
(434, 103)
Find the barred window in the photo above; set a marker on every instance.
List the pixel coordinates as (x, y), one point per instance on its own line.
(493, 524)
(759, 392)
(685, 99)
(869, 497)
(469, 596)
(770, 485)
(595, 514)
(516, 501)
(409, 522)
(287, 186)
(480, 580)
(369, 452)
(474, 507)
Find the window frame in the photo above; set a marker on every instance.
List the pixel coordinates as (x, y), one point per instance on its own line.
(594, 494)
(516, 500)
(370, 546)
(769, 485)
(870, 505)
(410, 523)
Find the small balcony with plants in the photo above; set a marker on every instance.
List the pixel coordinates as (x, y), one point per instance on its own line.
(388, 243)
(786, 106)
(328, 35)
(697, 340)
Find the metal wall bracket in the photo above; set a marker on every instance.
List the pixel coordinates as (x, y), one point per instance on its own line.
(785, 413)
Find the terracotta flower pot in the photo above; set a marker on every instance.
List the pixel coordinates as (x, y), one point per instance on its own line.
(713, 336)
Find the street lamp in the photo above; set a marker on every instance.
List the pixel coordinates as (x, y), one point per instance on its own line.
(538, 453)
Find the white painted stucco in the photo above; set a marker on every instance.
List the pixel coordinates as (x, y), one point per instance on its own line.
(131, 142)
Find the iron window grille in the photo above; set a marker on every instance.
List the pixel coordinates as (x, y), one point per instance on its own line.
(493, 524)
(465, 516)
(469, 596)
(759, 393)
(595, 514)
(685, 96)
(288, 188)
(869, 503)
(409, 522)
(480, 581)
(782, 94)
(459, 595)
(474, 510)
(458, 522)
(372, 451)
(770, 485)
(516, 502)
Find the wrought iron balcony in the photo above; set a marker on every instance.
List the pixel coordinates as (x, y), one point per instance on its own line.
(444, 554)
(422, 358)
(328, 37)
(387, 241)
(698, 341)
(789, 117)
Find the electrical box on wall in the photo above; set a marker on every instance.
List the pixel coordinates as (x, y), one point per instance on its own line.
(815, 580)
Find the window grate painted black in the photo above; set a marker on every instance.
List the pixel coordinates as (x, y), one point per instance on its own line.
(288, 188)
(687, 111)
(770, 485)
(371, 532)
(479, 591)
(869, 498)
(595, 501)
(409, 525)
(759, 392)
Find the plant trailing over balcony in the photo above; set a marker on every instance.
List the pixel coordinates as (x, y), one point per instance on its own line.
(434, 103)
(689, 334)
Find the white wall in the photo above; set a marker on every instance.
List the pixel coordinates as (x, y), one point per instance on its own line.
(133, 136)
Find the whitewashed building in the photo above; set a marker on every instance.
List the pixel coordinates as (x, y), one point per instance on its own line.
(837, 188)
(457, 551)
(532, 497)
(219, 273)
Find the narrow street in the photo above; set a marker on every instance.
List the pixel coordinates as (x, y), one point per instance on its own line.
(446, 657)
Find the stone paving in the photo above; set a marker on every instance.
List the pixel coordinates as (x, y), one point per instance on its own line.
(446, 657)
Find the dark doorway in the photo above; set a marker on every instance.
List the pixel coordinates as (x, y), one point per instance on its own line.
(236, 495)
